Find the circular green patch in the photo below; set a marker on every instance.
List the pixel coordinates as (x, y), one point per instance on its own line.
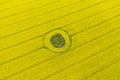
(57, 41)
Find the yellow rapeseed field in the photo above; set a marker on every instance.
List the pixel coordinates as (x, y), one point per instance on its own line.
(59, 39)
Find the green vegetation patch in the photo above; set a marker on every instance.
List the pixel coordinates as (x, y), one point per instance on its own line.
(57, 41)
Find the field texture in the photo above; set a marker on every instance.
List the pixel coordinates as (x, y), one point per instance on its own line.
(59, 39)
